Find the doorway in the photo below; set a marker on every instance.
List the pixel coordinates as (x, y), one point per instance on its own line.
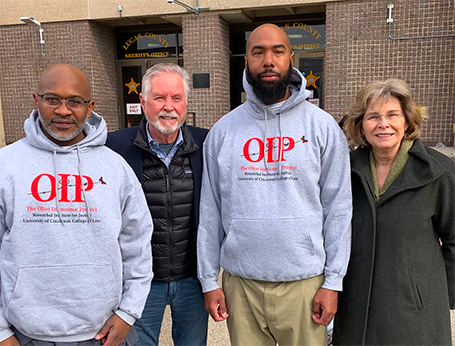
(130, 86)
(311, 64)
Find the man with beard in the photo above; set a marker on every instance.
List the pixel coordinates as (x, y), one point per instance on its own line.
(74, 226)
(167, 158)
(275, 206)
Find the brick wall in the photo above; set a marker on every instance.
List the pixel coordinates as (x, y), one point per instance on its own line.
(358, 51)
(87, 45)
(205, 42)
(103, 73)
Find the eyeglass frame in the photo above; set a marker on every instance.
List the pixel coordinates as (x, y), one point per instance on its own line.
(66, 101)
(389, 117)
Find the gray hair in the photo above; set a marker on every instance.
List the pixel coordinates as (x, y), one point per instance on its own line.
(163, 68)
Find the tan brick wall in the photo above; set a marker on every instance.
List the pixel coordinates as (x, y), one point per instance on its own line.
(103, 73)
(205, 39)
(358, 51)
(87, 45)
(2, 130)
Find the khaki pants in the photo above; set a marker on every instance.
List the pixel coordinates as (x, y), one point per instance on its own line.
(266, 313)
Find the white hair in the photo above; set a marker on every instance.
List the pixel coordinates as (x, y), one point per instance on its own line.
(162, 68)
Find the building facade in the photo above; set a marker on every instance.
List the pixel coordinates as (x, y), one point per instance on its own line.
(339, 46)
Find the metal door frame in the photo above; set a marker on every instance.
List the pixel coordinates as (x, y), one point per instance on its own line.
(303, 54)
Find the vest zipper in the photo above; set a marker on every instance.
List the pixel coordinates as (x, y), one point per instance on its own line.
(170, 226)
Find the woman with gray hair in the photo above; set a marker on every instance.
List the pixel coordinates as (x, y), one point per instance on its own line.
(400, 283)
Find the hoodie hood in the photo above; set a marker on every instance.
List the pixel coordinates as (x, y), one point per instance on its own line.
(296, 87)
(259, 110)
(96, 135)
(95, 129)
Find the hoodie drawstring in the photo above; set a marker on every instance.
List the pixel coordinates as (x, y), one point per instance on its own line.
(266, 148)
(280, 143)
(79, 166)
(56, 187)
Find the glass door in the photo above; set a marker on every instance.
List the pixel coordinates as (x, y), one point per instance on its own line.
(311, 64)
(130, 86)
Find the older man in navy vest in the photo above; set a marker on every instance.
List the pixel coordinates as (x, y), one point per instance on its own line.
(167, 158)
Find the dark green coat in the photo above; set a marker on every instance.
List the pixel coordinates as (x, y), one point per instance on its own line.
(400, 280)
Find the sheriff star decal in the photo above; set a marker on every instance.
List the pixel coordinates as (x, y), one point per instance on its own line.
(311, 79)
(132, 85)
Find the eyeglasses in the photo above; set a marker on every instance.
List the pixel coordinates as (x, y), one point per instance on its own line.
(376, 118)
(74, 103)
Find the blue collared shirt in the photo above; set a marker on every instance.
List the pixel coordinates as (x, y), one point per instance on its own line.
(155, 147)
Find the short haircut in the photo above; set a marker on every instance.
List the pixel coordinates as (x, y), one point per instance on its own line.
(165, 68)
(382, 91)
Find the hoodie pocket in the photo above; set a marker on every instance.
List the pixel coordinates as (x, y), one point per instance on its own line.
(272, 250)
(62, 300)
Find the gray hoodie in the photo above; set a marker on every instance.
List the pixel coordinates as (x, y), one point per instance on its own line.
(276, 194)
(75, 235)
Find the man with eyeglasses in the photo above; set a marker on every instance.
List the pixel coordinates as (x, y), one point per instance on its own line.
(59, 128)
(75, 228)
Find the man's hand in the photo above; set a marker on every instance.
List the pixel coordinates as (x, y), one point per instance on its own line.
(325, 305)
(114, 331)
(11, 341)
(215, 304)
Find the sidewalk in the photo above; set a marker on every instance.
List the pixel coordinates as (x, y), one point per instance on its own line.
(218, 334)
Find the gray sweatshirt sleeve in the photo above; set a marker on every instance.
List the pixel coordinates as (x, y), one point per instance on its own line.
(5, 331)
(210, 231)
(135, 246)
(336, 199)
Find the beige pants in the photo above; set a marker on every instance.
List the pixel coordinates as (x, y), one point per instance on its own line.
(266, 313)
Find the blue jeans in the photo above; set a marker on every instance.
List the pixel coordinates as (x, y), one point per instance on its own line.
(189, 317)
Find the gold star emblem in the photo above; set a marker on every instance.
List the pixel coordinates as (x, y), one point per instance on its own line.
(311, 79)
(132, 86)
